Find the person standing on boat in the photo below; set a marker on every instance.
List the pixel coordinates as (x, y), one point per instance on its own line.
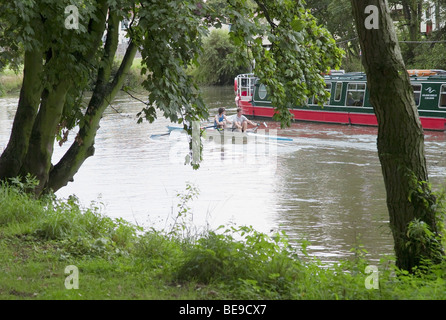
(240, 122)
(220, 120)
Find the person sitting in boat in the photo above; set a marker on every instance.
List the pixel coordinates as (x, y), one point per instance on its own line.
(240, 122)
(220, 120)
(350, 100)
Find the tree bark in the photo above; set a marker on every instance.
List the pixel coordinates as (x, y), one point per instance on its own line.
(400, 140)
(41, 143)
(12, 158)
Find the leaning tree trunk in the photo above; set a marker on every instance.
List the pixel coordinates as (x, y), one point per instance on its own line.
(104, 92)
(400, 136)
(37, 161)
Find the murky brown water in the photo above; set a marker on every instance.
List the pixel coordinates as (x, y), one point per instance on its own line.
(324, 186)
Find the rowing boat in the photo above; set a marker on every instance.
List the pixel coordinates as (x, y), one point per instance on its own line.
(236, 136)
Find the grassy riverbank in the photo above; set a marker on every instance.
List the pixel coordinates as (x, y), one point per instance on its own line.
(11, 82)
(118, 260)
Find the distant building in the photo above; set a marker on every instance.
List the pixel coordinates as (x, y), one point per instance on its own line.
(430, 20)
(123, 25)
(430, 16)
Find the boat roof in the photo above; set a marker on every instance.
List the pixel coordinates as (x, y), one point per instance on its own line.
(422, 75)
(349, 76)
(415, 75)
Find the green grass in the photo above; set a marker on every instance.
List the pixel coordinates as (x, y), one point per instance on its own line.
(10, 82)
(118, 260)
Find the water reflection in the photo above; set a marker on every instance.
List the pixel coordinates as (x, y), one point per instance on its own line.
(331, 191)
(325, 186)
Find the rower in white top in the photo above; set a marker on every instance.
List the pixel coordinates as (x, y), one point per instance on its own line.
(240, 122)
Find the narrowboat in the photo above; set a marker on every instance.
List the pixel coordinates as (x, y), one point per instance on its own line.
(349, 99)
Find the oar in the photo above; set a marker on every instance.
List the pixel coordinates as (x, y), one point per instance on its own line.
(154, 136)
(170, 128)
(208, 127)
(258, 125)
(268, 136)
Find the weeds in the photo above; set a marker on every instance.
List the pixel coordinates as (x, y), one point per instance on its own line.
(182, 225)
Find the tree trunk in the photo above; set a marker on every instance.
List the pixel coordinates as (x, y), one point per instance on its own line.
(41, 143)
(12, 158)
(400, 136)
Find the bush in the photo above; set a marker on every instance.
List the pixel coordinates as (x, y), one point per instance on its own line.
(82, 231)
(220, 62)
(429, 56)
(257, 263)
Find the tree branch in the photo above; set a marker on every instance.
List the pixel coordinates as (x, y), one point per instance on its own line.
(266, 13)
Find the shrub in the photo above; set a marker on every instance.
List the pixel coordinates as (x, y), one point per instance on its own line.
(255, 262)
(219, 63)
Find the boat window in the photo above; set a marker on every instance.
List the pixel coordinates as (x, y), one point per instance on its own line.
(315, 99)
(246, 87)
(326, 101)
(338, 91)
(355, 94)
(262, 91)
(417, 93)
(443, 96)
(328, 87)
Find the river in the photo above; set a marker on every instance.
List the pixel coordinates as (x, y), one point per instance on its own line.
(325, 186)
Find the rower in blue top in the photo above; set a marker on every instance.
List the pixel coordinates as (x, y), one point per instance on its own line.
(220, 120)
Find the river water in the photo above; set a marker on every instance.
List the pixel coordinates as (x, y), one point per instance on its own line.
(325, 186)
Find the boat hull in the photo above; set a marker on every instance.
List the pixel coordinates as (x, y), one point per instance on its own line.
(337, 117)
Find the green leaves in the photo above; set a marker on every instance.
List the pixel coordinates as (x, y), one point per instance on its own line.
(171, 41)
(299, 53)
(297, 24)
(220, 60)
